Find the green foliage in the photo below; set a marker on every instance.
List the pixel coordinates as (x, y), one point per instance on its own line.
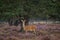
(32, 8)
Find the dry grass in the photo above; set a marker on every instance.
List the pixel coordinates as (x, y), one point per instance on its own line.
(12, 33)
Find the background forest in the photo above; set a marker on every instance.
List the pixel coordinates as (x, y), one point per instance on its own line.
(45, 9)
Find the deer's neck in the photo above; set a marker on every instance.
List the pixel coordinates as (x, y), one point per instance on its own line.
(23, 24)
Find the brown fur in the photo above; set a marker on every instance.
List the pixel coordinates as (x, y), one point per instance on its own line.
(30, 28)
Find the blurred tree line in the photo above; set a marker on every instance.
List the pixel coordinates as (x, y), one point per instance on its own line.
(15, 10)
(48, 9)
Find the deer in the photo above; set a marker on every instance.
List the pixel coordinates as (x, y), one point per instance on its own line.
(28, 27)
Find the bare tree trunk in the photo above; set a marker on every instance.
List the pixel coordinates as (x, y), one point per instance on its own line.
(10, 21)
